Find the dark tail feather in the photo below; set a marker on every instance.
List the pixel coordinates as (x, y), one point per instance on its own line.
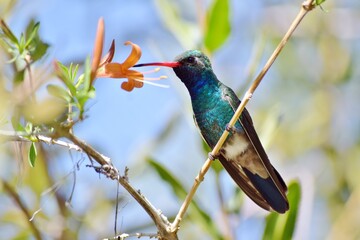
(283, 184)
(269, 191)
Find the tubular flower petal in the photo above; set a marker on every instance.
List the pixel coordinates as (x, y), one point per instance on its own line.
(108, 69)
(111, 70)
(99, 42)
(134, 56)
(109, 56)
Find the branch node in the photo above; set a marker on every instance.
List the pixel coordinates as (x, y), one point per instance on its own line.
(248, 95)
(199, 178)
(230, 129)
(106, 169)
(126, 172)
(308, 5)
(212, 157)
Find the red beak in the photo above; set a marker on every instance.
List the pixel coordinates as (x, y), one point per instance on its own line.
(164, 64)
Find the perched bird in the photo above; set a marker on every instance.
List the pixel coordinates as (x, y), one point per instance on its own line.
(242, 154)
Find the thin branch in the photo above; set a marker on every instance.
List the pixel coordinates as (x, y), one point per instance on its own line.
(305, 8)
(107, 168)
(101, 159)
(24, 137)
(137, 235)
(15, 196)
(161, 222)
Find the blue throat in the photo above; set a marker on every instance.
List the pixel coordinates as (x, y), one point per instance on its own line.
(212, 112)
(204, 89)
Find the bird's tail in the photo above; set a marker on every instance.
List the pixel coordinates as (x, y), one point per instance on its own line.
(265, 192)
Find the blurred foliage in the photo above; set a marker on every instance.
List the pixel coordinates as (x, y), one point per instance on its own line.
(196, 214)
(217, 25)
(283, 226)
(25, 110)
(77, 92)
(25, 50)
(305, 111)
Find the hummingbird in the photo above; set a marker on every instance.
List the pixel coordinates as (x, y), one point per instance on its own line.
(242, 155)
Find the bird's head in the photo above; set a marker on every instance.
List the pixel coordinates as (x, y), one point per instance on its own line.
(188, 66)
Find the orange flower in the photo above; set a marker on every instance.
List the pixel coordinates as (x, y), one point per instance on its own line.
(106, 68)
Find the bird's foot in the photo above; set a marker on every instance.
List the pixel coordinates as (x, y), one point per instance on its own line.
(230, 129)
(212, 157)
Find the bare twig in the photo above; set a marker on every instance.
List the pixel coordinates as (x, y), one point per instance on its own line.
(101, 159)
(23, 137)
(106, 168)
(15, 196)
(137, 235)
(161, 222)
(305, 8)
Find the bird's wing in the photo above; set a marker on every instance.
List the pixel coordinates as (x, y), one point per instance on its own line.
(238, 175)
(248, 126)
(255, 175)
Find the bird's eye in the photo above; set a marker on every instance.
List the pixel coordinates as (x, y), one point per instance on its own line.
(190, 59)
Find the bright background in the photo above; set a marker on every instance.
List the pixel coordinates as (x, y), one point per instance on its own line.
(306, 112)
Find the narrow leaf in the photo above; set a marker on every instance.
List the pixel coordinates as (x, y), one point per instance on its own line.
(197, 214)
(318, 2)
(218, 25)
(176, 186)
(184, 31)
(32, 155)
(64, 73)
(8, 33)
(40, 50)
(294, 199)
(19, 76)
(15, 122)
(87, 74)
(59, 92)
(32, 35)
(283, 226)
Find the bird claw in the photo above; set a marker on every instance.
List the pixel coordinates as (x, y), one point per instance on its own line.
(212, 157)
(230, 129)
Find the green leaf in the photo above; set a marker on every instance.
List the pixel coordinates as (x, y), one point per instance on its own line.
(34, 44)
(32, 155)
(318, 2)
(294, 200)
(33, 33)
(29, 128)
(59, 92)
(66, 75)
(197, 214)
(87, 74)
(19, 76)
(21, 46)
(39, 51)
(176, 186)
(15, 122)
(91, 93)
(8, 33)
(218, 25)
(283, 226)
(185, 32)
